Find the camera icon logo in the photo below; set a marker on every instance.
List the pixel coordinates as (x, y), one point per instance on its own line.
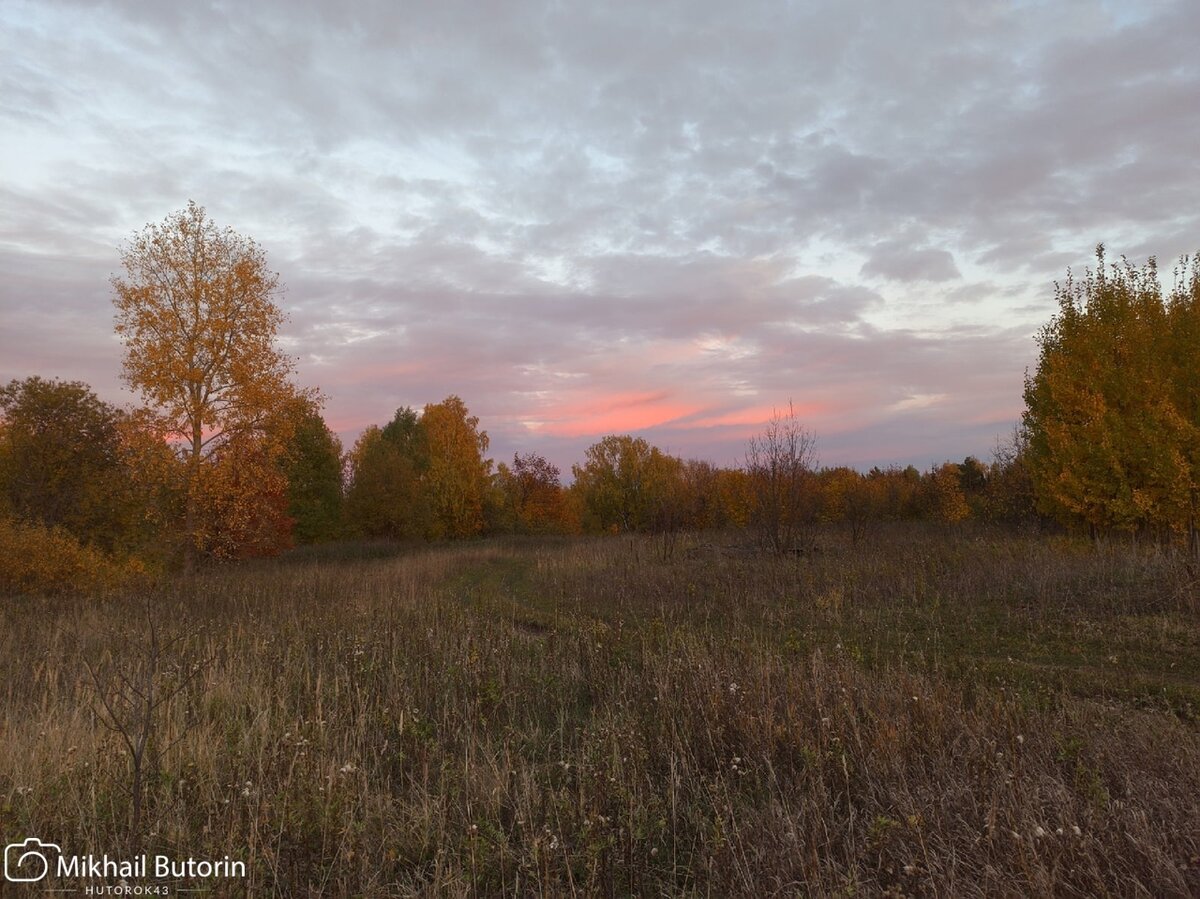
(28, 862)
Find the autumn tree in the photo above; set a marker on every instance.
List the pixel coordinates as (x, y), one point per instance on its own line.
(699, 496)
(780, 463)
(196, 310)
(625, 484)
(534, 497)
(898, 492)
(157, 487)
(835, 484)
(1009, 494)
(457, 476)
(1110, 413)
(851, 499)
(60, 456)
(707, 497)
(386, 494)
(733, 498)
(973, 480)
(1183, 359)
(242, 511)
(943, 500)
(69, 460)
(669, 505)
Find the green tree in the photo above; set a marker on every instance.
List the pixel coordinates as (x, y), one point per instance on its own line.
(404, 432)
(386, 495)
(311, 461)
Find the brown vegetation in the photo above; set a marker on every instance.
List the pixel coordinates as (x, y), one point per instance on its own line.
(978, 715)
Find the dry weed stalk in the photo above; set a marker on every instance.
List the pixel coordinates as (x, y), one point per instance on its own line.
(132, 696)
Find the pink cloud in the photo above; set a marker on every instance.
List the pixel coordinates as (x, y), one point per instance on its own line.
(609, 414)
(752, 417)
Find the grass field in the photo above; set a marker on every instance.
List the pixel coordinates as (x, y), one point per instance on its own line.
(927, 714)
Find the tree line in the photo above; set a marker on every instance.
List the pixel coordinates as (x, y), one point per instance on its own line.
(228, 458)
(107, 476)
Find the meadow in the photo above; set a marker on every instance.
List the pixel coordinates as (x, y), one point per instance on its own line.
(928, 712)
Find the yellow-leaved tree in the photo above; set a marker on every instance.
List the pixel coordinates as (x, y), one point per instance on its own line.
(196, 311)
(458, 472)
(1111, 418)
(626, 484)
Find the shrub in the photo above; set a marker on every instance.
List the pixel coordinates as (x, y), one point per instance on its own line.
(38, 559)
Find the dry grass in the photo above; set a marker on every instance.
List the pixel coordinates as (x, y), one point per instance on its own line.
(926, 715)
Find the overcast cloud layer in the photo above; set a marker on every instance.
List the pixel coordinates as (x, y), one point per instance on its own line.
(587, 218)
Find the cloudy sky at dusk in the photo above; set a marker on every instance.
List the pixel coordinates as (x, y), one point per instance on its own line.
(587, 218)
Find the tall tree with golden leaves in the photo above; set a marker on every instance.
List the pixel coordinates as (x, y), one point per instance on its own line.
(196, 311)
(1184, 328)
(1110, 417)
(458, 473)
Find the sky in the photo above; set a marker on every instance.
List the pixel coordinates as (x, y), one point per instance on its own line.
(664, 218)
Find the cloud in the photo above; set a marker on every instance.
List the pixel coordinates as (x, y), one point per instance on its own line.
(899, 261)
(554, 210)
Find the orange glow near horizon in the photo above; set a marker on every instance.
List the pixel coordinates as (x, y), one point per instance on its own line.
(628, 412)
(754, 416)
(613, 413)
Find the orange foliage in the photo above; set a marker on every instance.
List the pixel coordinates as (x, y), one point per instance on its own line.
(536, 498)
(243, 503)
(196, 313)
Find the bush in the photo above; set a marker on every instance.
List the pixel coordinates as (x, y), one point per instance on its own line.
(38, 559)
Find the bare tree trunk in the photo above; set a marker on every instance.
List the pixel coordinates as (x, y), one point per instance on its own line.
(191, 517)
